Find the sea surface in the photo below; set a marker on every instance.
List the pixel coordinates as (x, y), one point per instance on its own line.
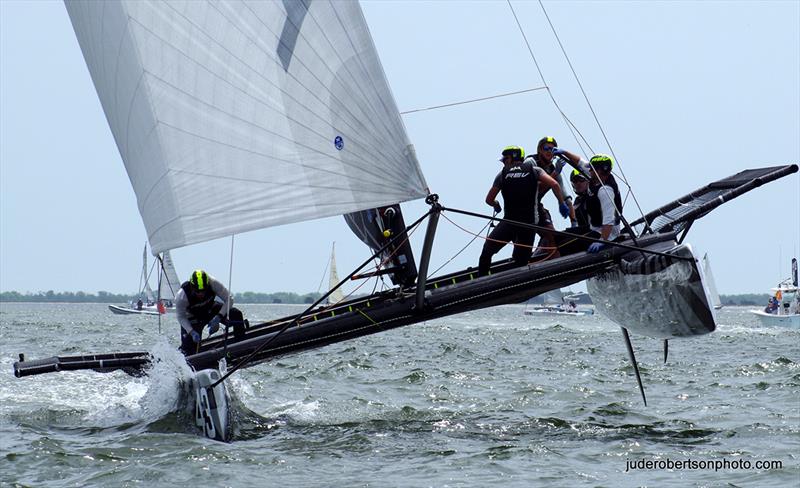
(487, 398)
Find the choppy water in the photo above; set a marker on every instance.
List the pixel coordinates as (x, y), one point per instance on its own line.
(485, 398)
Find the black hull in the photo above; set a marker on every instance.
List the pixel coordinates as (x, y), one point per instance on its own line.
(446, 295)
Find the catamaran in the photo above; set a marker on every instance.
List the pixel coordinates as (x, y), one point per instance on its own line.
(235, 116)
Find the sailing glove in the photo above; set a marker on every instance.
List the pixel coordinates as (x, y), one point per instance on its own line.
(596, 247)
(497, 207)
(213, 324)
(557, 151)
(195, 336)
(564, 209)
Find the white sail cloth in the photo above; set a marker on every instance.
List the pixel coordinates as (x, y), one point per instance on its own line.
(234, 115)
(333, 279)
(170, 283)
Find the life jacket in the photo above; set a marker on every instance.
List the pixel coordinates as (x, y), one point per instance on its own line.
(199, 305)
(581, 209)
(595, 209)
(520, 189)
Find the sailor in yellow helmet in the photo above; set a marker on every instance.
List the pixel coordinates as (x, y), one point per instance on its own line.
(204, 301)
(605, 204)
(544, 158)
(519, 183)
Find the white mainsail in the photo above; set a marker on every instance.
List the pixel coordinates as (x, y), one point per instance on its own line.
(712, 285)
(237, 115)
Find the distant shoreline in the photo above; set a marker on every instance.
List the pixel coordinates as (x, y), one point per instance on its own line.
(249, 297)
(114, 298)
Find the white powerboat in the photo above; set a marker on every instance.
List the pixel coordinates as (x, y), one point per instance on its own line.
(784, 306)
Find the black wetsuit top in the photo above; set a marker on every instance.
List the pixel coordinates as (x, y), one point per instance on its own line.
(519, 187)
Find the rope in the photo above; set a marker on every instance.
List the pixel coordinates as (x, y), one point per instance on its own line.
(572, 128)
(487, 238)
(463, 248)
(567, 234)
(589, 104)
(298, 317)
(473, 100)
(376, 268)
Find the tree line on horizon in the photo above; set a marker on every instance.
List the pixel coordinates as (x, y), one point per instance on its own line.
(254, 297)
(106, 297)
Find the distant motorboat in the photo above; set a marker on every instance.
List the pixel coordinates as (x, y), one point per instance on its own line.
(145, 310)
(559, 310)
(784, 306)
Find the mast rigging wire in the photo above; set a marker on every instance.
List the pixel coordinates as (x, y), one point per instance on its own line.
(474, 100)
(589, 104)
(572, 127)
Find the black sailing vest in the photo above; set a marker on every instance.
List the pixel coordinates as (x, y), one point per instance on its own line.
(580, 205)
(519, 192)
(199, 306)
(595, 209)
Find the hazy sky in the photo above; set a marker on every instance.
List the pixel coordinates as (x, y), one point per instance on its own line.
(687, 92)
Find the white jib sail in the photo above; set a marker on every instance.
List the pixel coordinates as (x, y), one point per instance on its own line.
(237, 115)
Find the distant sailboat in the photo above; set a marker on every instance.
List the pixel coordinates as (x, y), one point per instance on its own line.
(333, 280)
(153, 303)
(711, 283)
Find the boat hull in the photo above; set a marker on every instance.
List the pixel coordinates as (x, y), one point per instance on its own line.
(450, 294)
(560, 313)
(658, 298)
(135, 311)
(131, 311)
(211, 410)
(773, 320)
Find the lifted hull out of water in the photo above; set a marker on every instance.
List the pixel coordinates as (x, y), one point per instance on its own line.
(656, 296)
(447, 295)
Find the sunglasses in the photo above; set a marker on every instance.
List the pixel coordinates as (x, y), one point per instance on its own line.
(548, 148)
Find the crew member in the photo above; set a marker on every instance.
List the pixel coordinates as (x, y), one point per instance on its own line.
(202, 301)
(544, 159)
(605, 202)
(519, 183)
(581, 225)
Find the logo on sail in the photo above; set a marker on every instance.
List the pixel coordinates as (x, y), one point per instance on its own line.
(338, 142)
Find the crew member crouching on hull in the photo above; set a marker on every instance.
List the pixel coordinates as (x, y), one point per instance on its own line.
(580, 184)
(518, 182)
(205, 301)
(604, 204)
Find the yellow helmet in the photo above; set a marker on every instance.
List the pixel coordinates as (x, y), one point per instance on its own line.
(516, 152)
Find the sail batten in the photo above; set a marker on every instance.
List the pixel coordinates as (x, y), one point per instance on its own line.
(233, 116)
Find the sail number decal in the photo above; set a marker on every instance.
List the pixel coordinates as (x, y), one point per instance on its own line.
(204, 407)
(338, 142)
